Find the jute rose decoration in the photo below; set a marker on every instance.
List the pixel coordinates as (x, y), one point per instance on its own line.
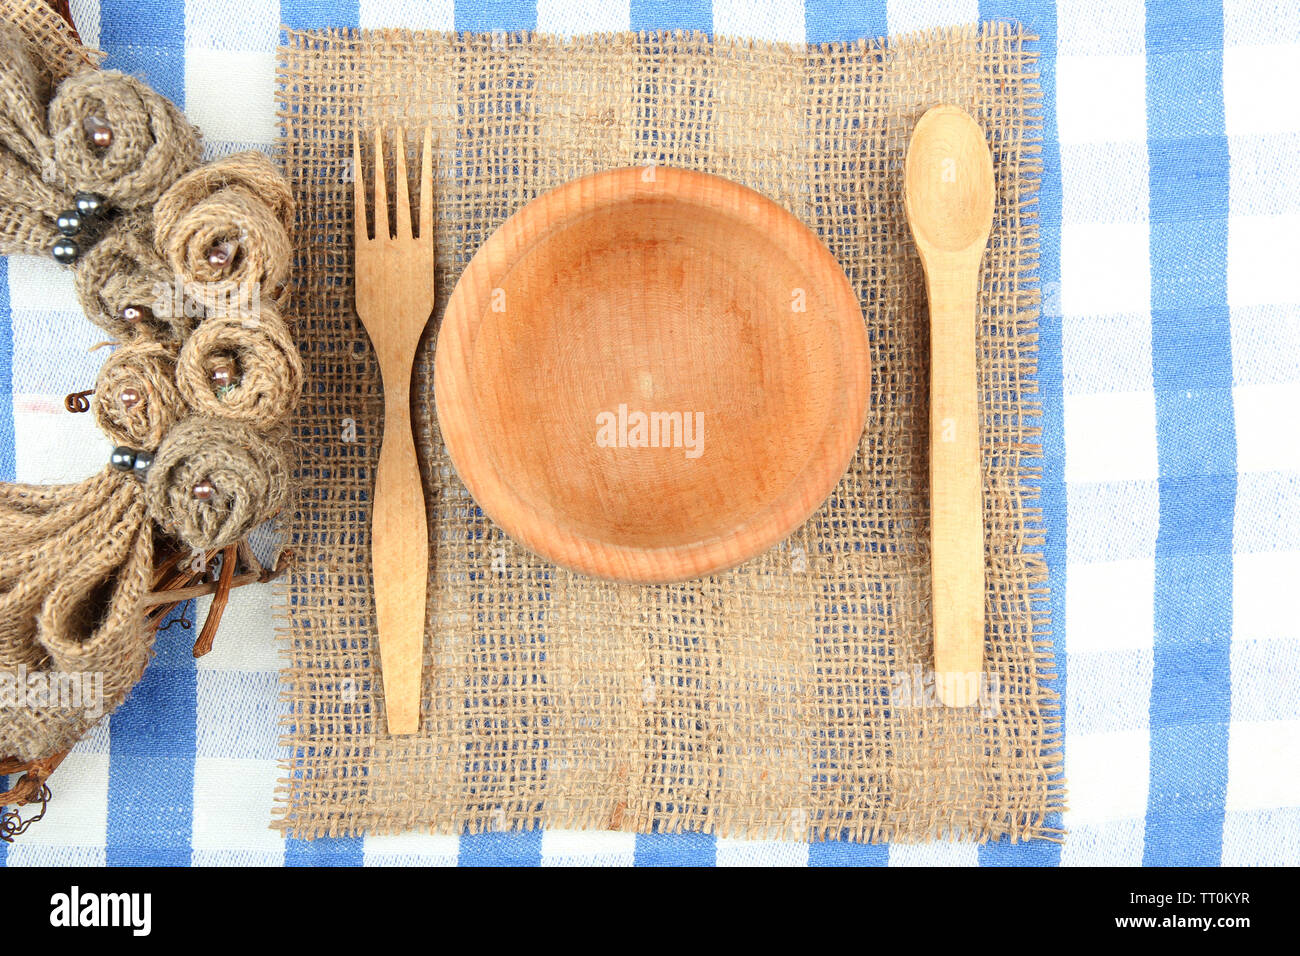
(182, 264)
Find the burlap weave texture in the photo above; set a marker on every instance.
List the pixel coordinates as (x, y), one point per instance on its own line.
(783, 699)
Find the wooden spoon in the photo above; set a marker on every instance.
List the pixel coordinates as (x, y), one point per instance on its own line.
(948, 192)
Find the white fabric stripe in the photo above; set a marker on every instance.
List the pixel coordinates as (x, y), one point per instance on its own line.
(1259, 84)
(410, 849)
(85, 14)
(230, 94)
(1110, 605)
(1263, 763)
(233, 799)
(572, 17)
(1247, 22)
(52, 446)
(1261, 837)
(1108, 775)
(1114, 843)
(413, 14)
(1264, 596)
(1077, 32)
(939, 853)
(1110, 436)
(1265, 344)
(908, 15)
(1266, 427)
(1101, 99)
(247, 640)
(588, 848)
(779, 20)
(761, 853)
(251, 25)
(75, 826)
(1262, 252)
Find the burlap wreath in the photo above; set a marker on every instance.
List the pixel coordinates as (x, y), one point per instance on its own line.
(180, 263)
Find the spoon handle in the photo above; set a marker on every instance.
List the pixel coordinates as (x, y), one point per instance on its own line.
(956, 517)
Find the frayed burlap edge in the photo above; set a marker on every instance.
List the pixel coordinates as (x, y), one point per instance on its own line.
(50, 38)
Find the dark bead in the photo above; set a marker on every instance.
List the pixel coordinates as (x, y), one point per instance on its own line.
(64, 250)
(222, 376)
(129, 397)
(143, 459)
(134, 313)
(203, 490)
(100, 133)
(123, 458)
(89, 205)
(68, 222)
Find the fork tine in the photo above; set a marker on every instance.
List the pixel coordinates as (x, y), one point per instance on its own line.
(382, 228)
(426, 186)
(360, 230)
(403, 189)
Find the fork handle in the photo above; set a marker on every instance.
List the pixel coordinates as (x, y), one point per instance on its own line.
(400, 561)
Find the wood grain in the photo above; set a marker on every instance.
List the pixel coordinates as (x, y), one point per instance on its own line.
(394, 298)
(949, 199)
(663, 292)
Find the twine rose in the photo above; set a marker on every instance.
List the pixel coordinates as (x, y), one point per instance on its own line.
(242, 366)
(213, 480)
(126, 289)
(151, 143)
(224, 229)
(136, 398)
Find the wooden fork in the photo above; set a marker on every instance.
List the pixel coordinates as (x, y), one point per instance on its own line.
(394, 300)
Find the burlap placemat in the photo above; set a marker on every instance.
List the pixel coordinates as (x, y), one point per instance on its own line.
(783, 699)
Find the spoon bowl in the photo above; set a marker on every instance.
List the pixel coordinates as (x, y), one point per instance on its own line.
(949, 183)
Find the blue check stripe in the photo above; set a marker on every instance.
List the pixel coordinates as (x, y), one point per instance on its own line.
(319, 14)
(1191, 697)
(831, 21)
(152, 741)
(676, 849)
(484, 16)
(501, 849)
(147, 40)
(689, 15)
(152, 736)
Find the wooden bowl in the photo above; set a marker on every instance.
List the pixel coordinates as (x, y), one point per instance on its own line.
(678, 295)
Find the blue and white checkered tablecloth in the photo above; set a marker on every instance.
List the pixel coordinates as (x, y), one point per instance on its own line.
(1170, 375)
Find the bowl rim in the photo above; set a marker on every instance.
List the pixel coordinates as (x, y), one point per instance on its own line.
(453, 377)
